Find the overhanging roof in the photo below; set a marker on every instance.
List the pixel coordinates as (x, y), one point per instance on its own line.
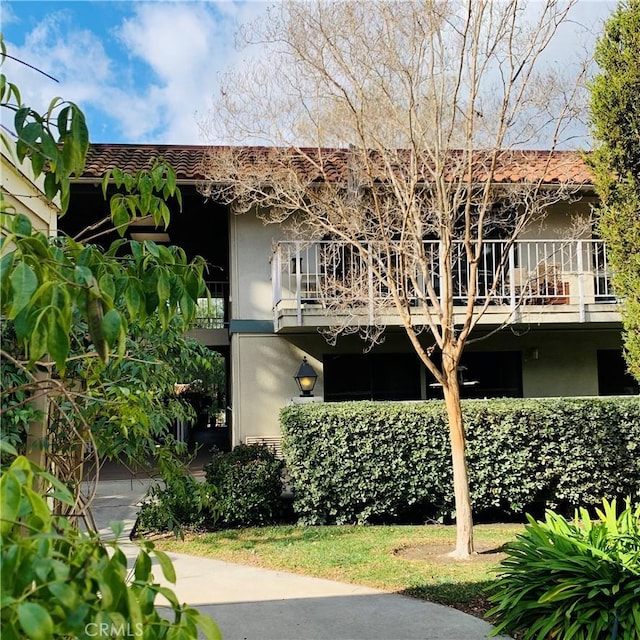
(557, 167)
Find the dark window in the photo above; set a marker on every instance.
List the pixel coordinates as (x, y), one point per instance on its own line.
(613, 379)
(379, 376)
(493, 374)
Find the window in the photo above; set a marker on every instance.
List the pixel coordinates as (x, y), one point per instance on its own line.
(491, 374)
(613, 379)
(379, 376)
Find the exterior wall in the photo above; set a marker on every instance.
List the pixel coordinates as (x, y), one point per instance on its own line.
(251, 247)
(557, 359)
(554, 363)
(262, 382)
(26, 195)
(563, 220)
(557, 362)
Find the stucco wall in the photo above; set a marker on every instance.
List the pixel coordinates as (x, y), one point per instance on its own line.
(251, 248)
(262, 368)
(566, 220)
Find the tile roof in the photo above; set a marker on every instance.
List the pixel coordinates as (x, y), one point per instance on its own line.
(560, 167)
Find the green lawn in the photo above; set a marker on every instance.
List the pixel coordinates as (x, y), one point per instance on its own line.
(403, 559)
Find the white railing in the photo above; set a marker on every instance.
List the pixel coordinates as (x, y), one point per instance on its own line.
(529, 272)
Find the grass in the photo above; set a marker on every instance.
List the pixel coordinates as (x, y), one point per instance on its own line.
(405, 559)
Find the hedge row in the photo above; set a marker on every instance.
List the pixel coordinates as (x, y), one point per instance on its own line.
(371, 461)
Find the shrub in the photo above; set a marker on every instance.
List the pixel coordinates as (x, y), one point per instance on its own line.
(362, 461)
(182, 502)
(572, 580)
(248, 482)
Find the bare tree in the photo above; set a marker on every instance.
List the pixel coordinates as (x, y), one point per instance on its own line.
(396, 131)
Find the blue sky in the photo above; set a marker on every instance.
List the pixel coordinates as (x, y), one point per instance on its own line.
(146, 72)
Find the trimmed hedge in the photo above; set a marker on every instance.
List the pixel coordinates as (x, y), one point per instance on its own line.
(368, 461)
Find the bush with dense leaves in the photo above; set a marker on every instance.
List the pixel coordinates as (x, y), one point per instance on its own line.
(181, 503)
(368, 461)
(572, 579)
(248, 482)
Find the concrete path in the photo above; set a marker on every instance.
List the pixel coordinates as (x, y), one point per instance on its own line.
(250, 603)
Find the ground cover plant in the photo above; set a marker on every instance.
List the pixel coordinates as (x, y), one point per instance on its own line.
(406, 559)
(580, 579)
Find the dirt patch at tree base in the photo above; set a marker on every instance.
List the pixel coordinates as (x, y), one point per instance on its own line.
(439, 553)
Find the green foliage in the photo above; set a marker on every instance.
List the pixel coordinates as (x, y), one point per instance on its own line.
(58, 582)
(55, 143)
(572, 580)
(130, 404)
(181, 503)
(48, 284)
(15, 407)
(249, 486)
(615, 120)
(365, 461)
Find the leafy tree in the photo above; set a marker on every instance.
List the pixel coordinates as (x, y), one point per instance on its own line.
(75, 310)
(615, 120)
(60, 583)
(392, 126)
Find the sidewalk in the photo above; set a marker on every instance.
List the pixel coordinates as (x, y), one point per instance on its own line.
(250, 603)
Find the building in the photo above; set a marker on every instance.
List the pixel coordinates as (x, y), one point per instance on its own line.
(23, 193)
(552, 330)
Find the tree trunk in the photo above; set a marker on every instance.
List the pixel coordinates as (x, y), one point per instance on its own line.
(37, 433)
(464, 519)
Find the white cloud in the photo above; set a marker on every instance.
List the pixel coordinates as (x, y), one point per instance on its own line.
(186, 45)
(79, 63)
(146, 84)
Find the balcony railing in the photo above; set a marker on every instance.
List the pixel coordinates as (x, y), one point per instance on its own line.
(524, 273)
(211, 312)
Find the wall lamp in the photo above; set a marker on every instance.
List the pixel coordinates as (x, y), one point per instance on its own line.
(306, 378)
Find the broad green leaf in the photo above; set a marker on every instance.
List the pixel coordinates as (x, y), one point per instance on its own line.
(164, 286)
(133, 299)
(38, 341)
(58, 340)
(22, 225)
(30, 134)
(10, 497)
(63, 120)
(61, 491)
(6, 262)
(107, 285)
(166, 565)
(20, 118)
(51, 186)
(142, 568)
(135, 614)
(35, 621)
(64, 593)
(152, 248)
(208, 626)
(23, 284)
(82, 275)
(111, 325)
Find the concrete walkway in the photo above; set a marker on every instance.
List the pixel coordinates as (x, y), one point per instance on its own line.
(250, 603)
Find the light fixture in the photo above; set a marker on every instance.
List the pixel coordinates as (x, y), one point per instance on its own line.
(306, 378)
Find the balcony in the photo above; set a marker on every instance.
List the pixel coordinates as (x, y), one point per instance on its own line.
(550, 281)
(211, 323)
